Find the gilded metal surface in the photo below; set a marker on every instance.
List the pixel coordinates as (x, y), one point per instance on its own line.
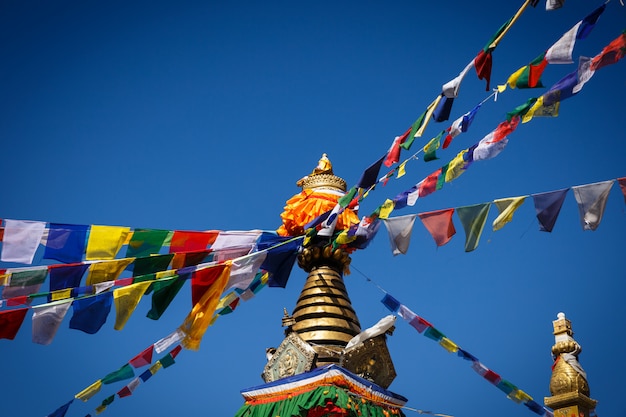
(318, 254)
(568, 383)
(292, 357)
(371, 360)
(324, 181)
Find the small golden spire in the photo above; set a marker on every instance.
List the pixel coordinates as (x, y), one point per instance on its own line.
(568, 384)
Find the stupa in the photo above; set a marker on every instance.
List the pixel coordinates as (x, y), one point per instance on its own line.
(326, 365)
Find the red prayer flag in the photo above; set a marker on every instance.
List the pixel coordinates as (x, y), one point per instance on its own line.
(611, 53)
(429, 185)
(504, 129)
(124, 392)
(18, 301)
(144, 358)
(439, 224)
(393, 155)
(174, 352)
(492, 377)
(184, 241)
(10, 322)
(203, 279)
(420, 324)
(483, 63)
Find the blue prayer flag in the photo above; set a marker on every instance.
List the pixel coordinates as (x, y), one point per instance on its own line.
(91, 313)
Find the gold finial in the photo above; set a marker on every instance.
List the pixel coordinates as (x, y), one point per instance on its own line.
(288, 321)
(568, 384)
(322, 176)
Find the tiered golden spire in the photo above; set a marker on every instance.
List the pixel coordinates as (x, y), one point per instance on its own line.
(568, 384)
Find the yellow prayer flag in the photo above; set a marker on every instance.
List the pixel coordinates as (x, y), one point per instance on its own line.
(448, 345)
(512, 81)
(265, 278)
(100, 408)
(4, 278)
(155, 368)
(107, 271)
(429, 113)
(126, 300)
(401, 170)
(501, 88)
(90, 391)
(519, 396)
(456, 166)
(531, 112)
(199, 318)
(507, 207)
(226, 300)
(105, 241)
(60, 294)
(386, 209)
(343, 238)
(165, 274)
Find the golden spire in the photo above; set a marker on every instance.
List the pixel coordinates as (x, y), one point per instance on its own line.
(568, 384)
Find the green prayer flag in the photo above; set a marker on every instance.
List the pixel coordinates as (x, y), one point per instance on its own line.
(497, 34)
(347, 198)
(432, 146)
(108, 400)
(152, 264)
(27, 278)
(473, 219)
(416, 125)
(145, 242)
(125, 372)
(441, 179)
(521, 110)
(433, 334)
(164, 292)
(167, 361)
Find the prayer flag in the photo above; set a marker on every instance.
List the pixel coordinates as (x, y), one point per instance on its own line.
(554, 4)
(401, 170)
(144, 358)
(60, 412)
(91, 313)
(66, 276)
(399, 230)
(466, 355)
(279, 262)
(457, 165)
(432, 146)
(66, 242)
(451, 88)
(393, 154)
(473, 219)
(187, 241)
(591, 199)
(46, 320)
(89, 392)
(414, 128)
(443, 109)
(167, 361)
(391, 303)
(183, 259)
(535, 407)
(427, 115)
(106, 270)
(126, 300)
(105, 241)
(244, 270)
(448, 345)
(21, 240)
(129, 388)
(483, 64)
(11, 321)
(487, 148)
(433, 334)
(151, 264)
(506, 207)
(611, 53)
(145, 242)
(169, 340)
(522, 109)
(203, 279)
(125, 372)
(163, 293)
(439, 224)
(530, 75)
(429, 184)
(201, 315)
(25, 282)
(562, 90)
(370, 176)
(385, 209)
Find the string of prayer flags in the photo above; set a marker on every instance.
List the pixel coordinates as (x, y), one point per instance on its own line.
(91, 313)
(428, 330)
(104, 242)
(548, 206)
(21, 240)
(506, 207)
(66, 242)
(473, 219)
(47, 319)
(439, 224)
(591, 199)
(400, 230)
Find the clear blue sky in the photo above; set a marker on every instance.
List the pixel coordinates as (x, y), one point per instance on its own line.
(198, 115)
